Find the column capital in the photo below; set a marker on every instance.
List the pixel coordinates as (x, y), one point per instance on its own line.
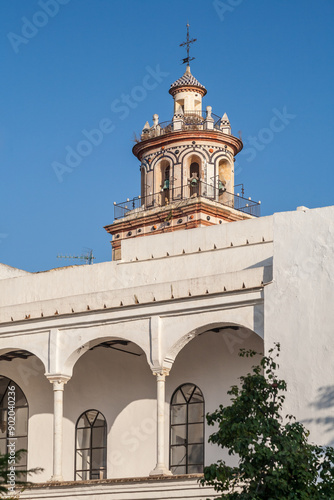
(160, 372)
(58, 381)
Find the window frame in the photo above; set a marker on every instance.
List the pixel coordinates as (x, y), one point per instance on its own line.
(102, 467)
(186, 444)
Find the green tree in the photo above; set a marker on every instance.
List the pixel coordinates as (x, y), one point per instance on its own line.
(19, 474)
(275, 459)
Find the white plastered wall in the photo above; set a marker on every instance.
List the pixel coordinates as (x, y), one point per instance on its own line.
(299, 313)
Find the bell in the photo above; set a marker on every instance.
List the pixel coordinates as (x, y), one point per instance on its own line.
(193, 182)
(166, 185)
(221, 186)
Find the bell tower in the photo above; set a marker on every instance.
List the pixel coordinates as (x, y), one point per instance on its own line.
(187, 170)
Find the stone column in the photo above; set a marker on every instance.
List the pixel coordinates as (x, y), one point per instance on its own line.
(161, 469)
(58, 392)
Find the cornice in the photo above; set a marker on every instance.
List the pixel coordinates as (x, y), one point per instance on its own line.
(187, 88)
(143, 147)
(150, 217)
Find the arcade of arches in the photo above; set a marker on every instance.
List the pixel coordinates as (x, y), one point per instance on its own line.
(110, 421)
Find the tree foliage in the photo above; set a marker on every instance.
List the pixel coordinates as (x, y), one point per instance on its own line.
(275, 459)
(19, 475)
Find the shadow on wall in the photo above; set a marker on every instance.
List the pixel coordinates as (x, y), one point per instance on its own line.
(324, 401)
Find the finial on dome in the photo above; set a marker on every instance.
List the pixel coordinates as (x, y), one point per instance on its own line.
(187, 59)
(187, 80)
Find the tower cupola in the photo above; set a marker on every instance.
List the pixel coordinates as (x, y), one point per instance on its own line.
(187, 93)
(187, 170)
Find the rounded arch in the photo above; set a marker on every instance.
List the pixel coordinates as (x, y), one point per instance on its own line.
(163, 179)
(175, 179)
(176, 348)
(225, 175)
(163, 172)
(202, 153)
(224, 168)
(81, 349)
(168, 155)
(217, 155)
(145, 165)
(22, 353)
(193, 173)
(188, 395)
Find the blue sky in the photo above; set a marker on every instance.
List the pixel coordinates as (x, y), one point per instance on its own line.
(66, 65)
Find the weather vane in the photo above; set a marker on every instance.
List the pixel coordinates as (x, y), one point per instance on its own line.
(187, 44)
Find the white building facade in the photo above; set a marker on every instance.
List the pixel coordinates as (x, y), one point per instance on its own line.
(116, 364)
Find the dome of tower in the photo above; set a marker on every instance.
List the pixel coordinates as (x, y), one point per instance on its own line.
(187, 80)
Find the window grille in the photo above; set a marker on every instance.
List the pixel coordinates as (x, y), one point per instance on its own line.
(187, 430)
(91, 446)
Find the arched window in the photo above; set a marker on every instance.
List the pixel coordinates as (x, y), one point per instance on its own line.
(166, 186)
(225, 186)
(13, 414)
(194, 179)
(91, 446)
(165, 183)
(187, 430)
(167, 173)
(143, 183)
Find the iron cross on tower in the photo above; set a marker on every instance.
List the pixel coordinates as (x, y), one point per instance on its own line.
(187, 44)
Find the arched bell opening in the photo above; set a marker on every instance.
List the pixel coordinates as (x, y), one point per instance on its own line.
(143, 184)
(225, 182)
(166, 183)
(163, 182)
(194, 175)
(194, 179)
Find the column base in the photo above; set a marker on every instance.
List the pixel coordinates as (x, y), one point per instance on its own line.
(54, 479)
(161, 470)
